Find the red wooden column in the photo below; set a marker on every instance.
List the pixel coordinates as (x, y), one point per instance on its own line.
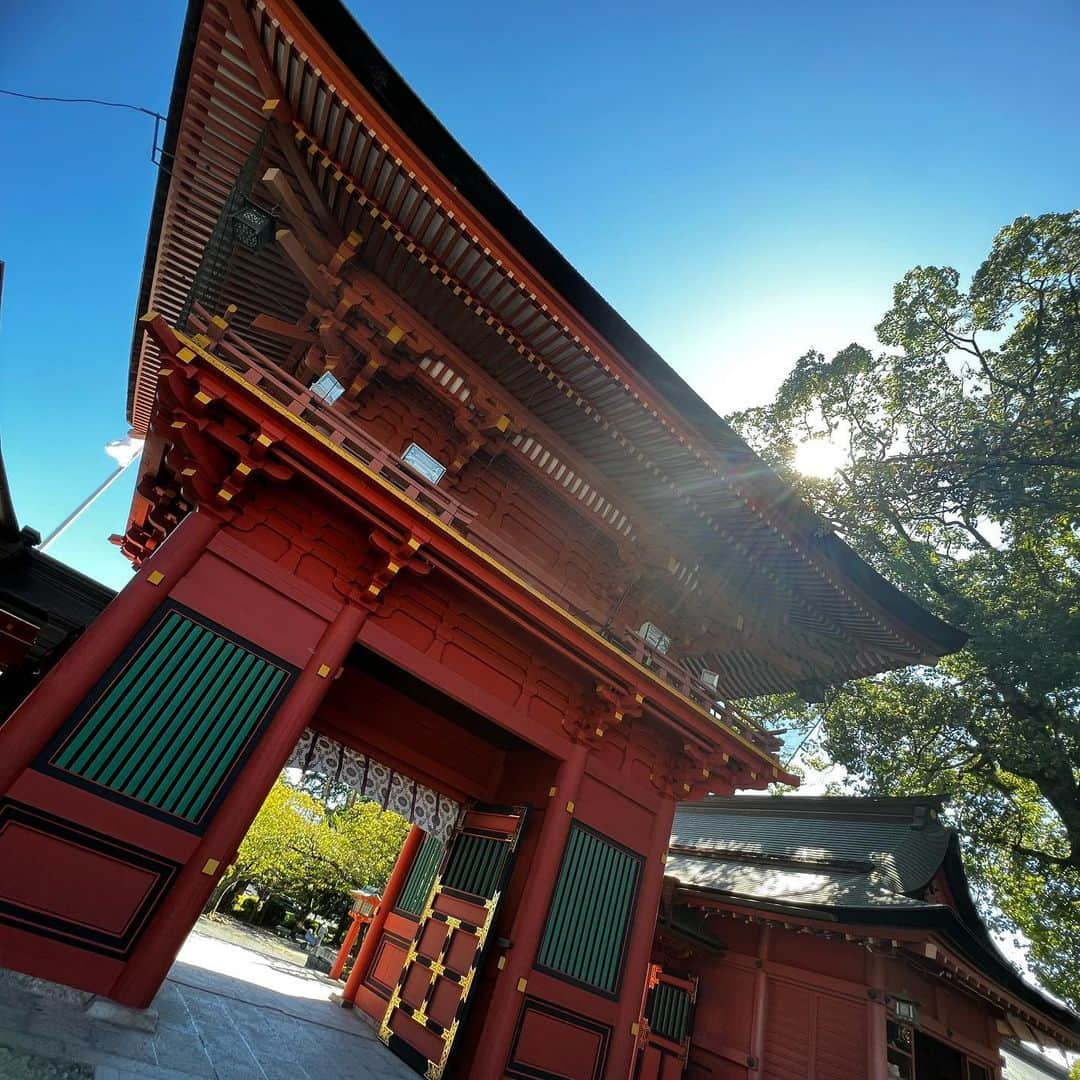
(342, 957)
(375, 930)
(877, 1018)
(528, 924)
(761, 1004)
(180, 909)
(31, 726)
(641, 938)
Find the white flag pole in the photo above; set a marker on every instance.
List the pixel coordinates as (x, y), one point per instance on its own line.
(125, 451)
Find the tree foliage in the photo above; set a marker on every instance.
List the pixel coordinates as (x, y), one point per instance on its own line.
(960, 482)
(309, 853)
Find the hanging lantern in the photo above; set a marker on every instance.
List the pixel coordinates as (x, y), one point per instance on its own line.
(252, 226)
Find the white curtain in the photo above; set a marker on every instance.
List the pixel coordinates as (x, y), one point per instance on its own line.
(434, 813)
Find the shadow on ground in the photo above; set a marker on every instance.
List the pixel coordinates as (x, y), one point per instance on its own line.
(224, 1013)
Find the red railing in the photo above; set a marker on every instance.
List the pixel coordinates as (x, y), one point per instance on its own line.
(331, 423)
(688, 684)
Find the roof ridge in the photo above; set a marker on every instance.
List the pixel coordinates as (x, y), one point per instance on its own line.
(855, 866)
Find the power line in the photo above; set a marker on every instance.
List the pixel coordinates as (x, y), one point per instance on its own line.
(156, 152)
(82, 101)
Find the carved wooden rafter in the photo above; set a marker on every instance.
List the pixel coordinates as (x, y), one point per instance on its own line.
(299, 149)
(215, 455)
(401, 342)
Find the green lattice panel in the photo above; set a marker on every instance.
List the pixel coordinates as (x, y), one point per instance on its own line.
(669, 1011)
(590, 911)
(475, 865)
(421, 876)
(174, 719)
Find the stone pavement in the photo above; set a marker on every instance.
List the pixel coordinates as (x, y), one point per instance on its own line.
(224, 1013)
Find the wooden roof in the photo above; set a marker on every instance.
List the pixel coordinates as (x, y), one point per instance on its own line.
(850, 861)
(362, 154)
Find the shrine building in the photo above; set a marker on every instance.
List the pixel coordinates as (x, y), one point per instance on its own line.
(834, 939)
(419, 510)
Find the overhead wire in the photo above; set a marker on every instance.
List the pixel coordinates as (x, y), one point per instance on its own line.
(156, 152)
(82, 101)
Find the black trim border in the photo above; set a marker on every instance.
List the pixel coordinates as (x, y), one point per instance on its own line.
(67, 931)
(546, 1008)
(44, 761)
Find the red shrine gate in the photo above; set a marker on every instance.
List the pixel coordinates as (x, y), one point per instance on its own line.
(332, 599)
(400, 491)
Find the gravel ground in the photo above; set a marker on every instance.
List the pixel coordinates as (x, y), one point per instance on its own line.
(257, 939)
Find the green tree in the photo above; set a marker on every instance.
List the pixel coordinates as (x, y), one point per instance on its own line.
(262, 856)
(960, 481)
(311, 855)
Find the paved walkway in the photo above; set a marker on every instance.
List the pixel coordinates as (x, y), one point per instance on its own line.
(224, 1013)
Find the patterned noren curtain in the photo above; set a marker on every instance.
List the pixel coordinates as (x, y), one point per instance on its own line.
(434, 813)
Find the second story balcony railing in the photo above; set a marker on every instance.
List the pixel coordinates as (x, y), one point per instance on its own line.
(333, 424)
(689, 685)
(337, 427)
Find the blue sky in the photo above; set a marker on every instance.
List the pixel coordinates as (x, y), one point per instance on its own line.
(743, 181)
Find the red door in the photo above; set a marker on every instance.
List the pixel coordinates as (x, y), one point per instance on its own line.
(665, 1026)
(429, 1004)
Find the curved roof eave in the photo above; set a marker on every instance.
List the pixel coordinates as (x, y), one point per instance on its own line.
(334, 23)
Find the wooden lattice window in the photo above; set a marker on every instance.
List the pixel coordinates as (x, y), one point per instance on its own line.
(585, 936)
(668, 1011)
(901, 1050)
(421, 876)
(173, 718)
(475, 865)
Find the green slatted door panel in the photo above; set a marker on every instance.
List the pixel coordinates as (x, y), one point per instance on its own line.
(421, 876)
(475, 865)
(174, 718)
(590, 911)
(669, 1011)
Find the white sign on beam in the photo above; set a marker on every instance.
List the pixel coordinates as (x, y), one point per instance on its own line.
(420, 461)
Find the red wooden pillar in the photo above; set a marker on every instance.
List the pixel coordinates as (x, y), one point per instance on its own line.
(528, 924)
(877, 1018)
(761, 1004)
(31, 726)
(375, 930)
(342, 957)
(620, 1060)
(180, 909)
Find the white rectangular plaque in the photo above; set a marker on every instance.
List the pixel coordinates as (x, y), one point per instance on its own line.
(420, 461)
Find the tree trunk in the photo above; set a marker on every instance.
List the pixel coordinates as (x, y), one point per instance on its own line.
(224, 888)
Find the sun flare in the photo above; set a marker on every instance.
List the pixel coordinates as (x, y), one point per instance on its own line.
(818, 457)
